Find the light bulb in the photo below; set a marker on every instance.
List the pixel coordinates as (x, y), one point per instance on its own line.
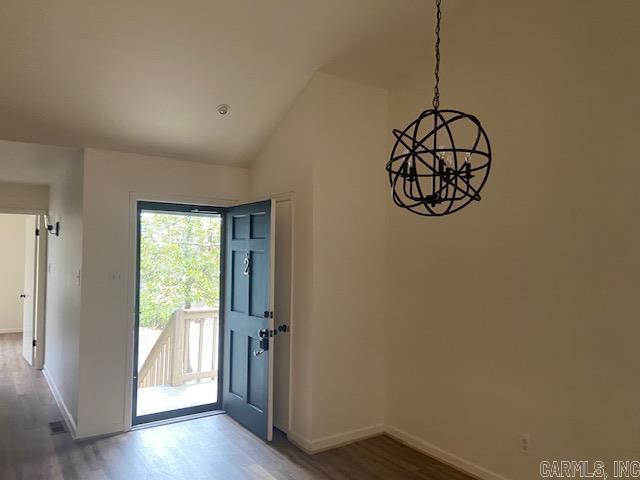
(449, 161)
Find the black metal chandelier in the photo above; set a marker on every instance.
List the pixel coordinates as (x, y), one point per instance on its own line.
(440, 161)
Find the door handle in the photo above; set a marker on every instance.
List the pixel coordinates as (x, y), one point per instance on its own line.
(264, 342)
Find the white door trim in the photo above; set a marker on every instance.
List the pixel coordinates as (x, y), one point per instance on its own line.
(288, 197)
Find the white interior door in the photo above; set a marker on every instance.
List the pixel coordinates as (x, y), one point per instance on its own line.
(40, 292)
(28, 293)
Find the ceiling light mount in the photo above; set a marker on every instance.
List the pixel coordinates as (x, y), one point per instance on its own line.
(439, 162)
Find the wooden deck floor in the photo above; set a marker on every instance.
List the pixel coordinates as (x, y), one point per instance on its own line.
(163, 398)
(208, 448)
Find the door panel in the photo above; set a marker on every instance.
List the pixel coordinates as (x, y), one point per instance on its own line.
(28, 294)
(248, 359)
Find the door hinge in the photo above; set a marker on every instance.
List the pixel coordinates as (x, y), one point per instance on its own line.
(34, 342)
(37, 232)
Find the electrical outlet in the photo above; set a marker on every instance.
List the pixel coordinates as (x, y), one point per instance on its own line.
(525, 442)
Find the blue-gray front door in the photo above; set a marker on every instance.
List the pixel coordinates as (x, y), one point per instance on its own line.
(248, 322)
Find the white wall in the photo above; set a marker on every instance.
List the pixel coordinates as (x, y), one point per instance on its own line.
(519, 314)
(326, 150)
(33, 163)
(62, 322)
(12, 252)
(348, 309)
(112, 182)
(23, 198)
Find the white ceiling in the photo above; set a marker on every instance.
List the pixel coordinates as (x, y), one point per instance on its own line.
(146, 76)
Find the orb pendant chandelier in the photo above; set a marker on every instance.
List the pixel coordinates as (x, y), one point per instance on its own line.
(440, 162)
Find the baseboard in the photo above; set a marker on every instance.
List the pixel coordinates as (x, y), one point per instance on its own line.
(301, 442)
(94, 436)
(341, 439)
(10, 330)
(442, 455)
(66, 415)
(334, 441)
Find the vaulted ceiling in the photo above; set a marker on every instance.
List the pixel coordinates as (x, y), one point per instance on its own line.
(146, 76)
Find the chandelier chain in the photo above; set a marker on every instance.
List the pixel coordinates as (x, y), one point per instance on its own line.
(436, 90)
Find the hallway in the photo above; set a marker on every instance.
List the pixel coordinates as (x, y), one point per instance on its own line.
(208, 448)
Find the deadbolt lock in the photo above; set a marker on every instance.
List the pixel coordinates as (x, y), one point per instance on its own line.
(264, 342)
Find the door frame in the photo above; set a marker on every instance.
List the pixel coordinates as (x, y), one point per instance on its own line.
(134, 198)
(278, 199)
(42, 259)
(179, 208)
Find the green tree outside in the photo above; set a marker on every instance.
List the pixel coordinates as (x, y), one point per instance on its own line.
(179, 265)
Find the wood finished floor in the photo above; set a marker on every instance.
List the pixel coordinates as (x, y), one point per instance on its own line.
(208, 448)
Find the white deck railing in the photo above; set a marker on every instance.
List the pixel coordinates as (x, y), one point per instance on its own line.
(179, 354)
